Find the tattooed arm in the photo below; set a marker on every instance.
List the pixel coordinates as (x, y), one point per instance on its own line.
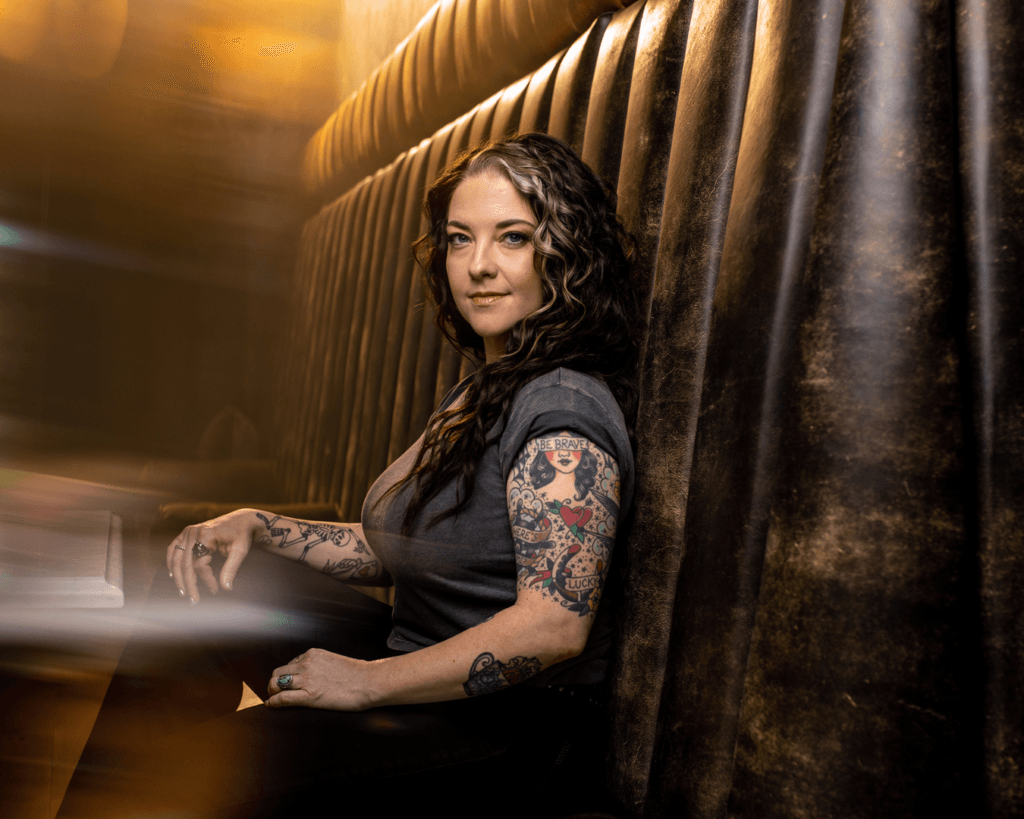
(563, 502)
(563, 505)
(337, 549)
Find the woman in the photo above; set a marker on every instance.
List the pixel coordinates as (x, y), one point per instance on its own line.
(497, 527)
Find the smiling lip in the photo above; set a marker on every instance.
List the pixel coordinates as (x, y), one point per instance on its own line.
(483, 299)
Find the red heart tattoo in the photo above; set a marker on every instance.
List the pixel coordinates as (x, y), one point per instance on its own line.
(575, 517)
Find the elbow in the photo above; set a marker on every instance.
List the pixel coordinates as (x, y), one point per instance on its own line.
(552, 635)
(570, 644)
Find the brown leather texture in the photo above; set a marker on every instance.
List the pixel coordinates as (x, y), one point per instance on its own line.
(824, 577)
(461, 52)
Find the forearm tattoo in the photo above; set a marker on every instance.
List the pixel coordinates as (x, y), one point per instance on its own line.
(488, 674)
(285, 532)
(563, 500)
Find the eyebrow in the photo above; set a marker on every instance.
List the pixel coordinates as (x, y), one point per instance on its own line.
(499, 226)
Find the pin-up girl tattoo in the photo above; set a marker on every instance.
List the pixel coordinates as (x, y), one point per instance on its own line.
(563, 506)
(563, 458)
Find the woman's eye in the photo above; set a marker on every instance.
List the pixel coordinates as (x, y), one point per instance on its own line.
(515, 238)
(457, 239)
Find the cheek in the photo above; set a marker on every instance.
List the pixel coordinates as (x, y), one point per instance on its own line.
(456, 285)
(577, 455)
(526, 281)
(550, 456)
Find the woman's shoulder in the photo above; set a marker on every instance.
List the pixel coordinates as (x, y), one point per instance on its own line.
(565, 386)
(568, 400)
(566, 379)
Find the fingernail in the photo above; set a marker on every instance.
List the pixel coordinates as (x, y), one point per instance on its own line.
(181, 592)
(171, 575)
(192, 600)
(227, 586)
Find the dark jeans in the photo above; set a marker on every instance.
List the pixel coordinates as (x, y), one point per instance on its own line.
(168, 741)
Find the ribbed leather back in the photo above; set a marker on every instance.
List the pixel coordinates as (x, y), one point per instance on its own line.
(461, 52)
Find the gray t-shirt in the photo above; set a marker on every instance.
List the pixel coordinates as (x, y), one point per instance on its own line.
(456, 574)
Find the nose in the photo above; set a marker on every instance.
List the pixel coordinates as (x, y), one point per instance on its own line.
(482, 265)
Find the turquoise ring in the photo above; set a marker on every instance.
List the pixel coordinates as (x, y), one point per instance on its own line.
(284, 681)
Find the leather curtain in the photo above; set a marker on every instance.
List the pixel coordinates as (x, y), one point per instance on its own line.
(826, 336)
(824, 577)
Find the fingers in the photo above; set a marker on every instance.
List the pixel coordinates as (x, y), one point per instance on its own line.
(181, 562)
(175, 556)
(205, 572)
(230, 568)
(292, 682)
(286, 678)
(175, 551)
(286, 686)
(289, 697)
(189, 576)
(289, 674)
(229, 534)
(320, 679)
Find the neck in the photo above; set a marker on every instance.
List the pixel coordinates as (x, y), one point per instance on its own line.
(494, 348)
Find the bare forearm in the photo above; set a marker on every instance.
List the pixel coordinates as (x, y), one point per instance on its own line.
(506, 650)
(336, 549)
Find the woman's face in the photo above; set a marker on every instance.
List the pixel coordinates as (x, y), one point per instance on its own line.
(490, 258)
(565, 460)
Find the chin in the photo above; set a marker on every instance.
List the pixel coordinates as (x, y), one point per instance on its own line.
(490, 332)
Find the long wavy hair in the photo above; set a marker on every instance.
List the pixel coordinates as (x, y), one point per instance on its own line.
(589, 320)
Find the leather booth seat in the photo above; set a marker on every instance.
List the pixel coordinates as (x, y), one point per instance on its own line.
(824, 611)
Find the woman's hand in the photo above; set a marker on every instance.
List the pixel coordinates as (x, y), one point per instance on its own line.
(231, 535)
(320, 679)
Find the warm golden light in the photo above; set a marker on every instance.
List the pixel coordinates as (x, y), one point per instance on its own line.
(22, 25)
(272, 69)
(87, 34)
(90, 33)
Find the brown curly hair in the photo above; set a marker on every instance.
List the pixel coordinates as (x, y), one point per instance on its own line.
(589, 320)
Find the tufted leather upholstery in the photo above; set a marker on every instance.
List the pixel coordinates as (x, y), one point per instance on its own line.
(461, 52)
(824, 609)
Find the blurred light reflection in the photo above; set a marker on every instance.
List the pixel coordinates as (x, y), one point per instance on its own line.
(89, 33)
(24, 239)
(171, 622)
(149, 209)
(150, 206)
(8, 236)
(22, 25)
(79, 37)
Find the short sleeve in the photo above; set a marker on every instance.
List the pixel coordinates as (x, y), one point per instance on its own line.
(569, 401)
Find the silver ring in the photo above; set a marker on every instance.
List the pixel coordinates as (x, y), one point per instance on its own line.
(199, 550)
(284, 681)
(179, 546)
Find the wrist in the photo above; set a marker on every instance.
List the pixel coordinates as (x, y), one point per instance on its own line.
(256, 527)
(376, 688)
